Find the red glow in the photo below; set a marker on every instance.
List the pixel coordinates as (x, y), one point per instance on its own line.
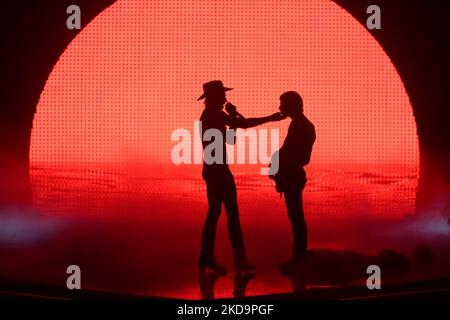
(132, 76)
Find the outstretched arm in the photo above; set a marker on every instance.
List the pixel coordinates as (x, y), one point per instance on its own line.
(236, 120)
(253, 122)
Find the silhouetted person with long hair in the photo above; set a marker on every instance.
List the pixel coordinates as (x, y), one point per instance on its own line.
(220, 185)
(290, 179)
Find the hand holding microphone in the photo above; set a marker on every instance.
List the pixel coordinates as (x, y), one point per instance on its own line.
(231, 109)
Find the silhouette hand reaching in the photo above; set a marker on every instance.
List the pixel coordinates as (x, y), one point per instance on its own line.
(277, 116)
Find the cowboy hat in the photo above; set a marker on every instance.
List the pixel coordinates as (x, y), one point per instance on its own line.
(213, 87)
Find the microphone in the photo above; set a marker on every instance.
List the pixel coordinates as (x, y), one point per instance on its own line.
(231, 109)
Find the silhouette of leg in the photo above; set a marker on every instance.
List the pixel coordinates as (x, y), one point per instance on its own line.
(241, 281)
(207, 281)
(294, 204)
(234, 225)
(210, 226)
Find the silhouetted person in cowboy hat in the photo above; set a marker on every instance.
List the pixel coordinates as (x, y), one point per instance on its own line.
(290, 178)
(220, 185)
